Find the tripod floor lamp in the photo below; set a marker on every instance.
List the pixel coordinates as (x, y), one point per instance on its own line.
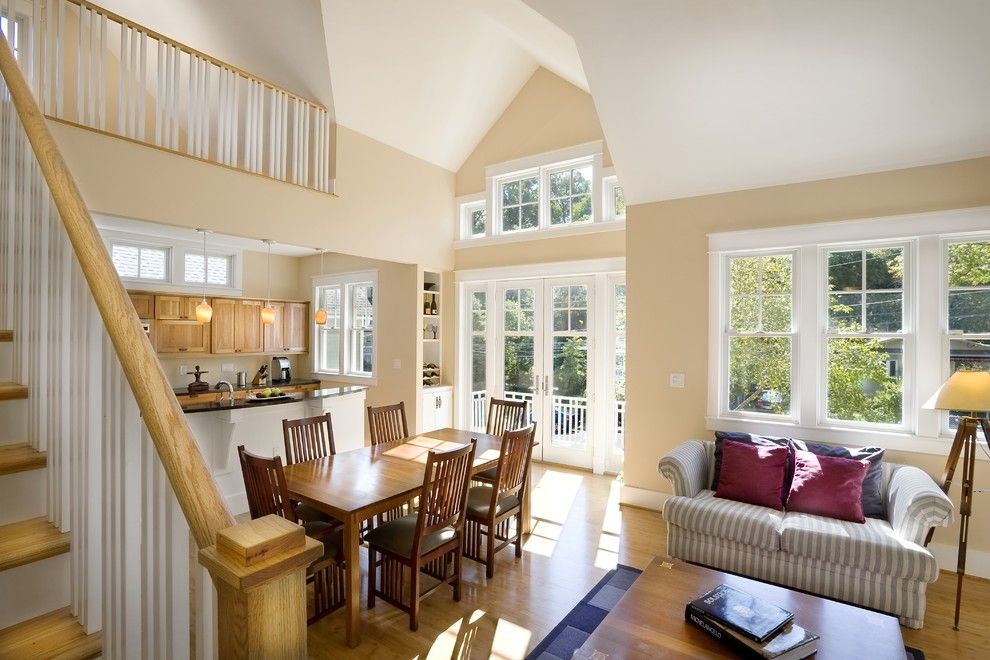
(967, 391)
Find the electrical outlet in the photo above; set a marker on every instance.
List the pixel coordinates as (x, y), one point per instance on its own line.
(677, 380)
(183, 369)
(396, 363)
(227, 367)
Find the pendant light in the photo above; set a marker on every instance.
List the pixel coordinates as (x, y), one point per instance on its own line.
(268, 312)
(320, 317)
(204, 313)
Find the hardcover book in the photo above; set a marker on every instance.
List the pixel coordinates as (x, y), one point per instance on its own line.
(792, 643)
(743, 612)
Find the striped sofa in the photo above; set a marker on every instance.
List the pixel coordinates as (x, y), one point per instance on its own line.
(881, 564)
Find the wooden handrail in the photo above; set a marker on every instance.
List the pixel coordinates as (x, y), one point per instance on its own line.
(194, 486)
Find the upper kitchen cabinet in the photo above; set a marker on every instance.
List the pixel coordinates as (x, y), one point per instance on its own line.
(176, 308)
(144, 304)
(237, 326)
(182, 337)
(289, 333)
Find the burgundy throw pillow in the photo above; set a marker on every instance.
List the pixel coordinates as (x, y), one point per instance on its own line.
(753, 474)
(828, 486)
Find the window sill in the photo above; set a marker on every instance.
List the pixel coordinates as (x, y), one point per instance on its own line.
(350, 380)
(853, 437)
(539, 234)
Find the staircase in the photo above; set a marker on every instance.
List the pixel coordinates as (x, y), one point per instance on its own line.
(34, 559)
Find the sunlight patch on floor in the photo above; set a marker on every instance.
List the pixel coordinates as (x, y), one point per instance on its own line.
(554, 495)
(455, 641)
(607, 556)
(613, 513)
(510, 641)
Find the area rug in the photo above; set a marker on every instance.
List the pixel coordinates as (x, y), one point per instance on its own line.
(577, 626)
(568, 635)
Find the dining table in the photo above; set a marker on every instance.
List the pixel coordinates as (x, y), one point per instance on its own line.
(356, 485)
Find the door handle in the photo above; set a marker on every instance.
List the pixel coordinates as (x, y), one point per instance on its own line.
(546, 385)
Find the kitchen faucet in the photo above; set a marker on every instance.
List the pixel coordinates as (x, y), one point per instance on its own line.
(230, 391)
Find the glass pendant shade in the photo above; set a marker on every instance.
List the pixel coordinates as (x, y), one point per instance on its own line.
(204, 313)
(320, 317)
(268, 315)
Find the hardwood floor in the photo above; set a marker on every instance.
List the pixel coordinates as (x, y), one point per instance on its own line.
(579, 533)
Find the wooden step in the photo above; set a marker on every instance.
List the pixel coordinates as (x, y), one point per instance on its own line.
(10, 391)
(6, 335)
(21, 457)
(30, 540)
(54, 635)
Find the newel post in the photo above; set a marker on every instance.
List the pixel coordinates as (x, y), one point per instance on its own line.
(259, 568)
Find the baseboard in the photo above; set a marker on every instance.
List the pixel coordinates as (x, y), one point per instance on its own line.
(643, 498)
(977, 561)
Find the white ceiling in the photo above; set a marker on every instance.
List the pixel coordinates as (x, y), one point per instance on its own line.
(431, 77)
(704, 96)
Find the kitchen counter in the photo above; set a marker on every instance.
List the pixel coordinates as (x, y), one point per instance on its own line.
(295, 382)
(298, 397)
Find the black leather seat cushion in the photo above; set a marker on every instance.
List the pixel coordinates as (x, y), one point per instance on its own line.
(329, 534)
(396, 536)
(486, 475)
(480, 501)
(308, 513)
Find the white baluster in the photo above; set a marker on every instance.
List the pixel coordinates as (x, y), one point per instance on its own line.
(161, 100)
(142, 86)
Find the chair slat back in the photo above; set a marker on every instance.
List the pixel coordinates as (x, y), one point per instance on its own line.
(387, 423)
(264, 482)
(308, 439)
(445, 486)
(506, 415)
(513, 462)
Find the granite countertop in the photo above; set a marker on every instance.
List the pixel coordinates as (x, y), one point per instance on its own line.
(296, 397)
(292, 383)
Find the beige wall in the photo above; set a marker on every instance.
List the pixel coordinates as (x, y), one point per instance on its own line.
(285, 276)
(599, 245)
(390, 205)
(667, 273)
(548, 113)
(397, 325)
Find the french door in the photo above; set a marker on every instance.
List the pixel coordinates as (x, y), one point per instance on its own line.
(545, 355)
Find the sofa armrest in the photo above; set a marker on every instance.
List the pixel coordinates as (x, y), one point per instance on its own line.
(686, 468)
(915, 504)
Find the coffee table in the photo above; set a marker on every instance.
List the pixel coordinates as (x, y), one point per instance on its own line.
(648, 621)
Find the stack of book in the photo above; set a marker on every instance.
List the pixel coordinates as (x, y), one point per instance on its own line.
(750, 626)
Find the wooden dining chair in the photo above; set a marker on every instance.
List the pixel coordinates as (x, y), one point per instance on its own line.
(503, 415)
(490, 509)
(308, 439)
(387, 423)
(267, 494)
(428, 541)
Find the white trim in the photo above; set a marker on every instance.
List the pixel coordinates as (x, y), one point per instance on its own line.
(345, 280)
(643, 497)
(553, 269)
(557, 231)
(884, 228)
(558, 156)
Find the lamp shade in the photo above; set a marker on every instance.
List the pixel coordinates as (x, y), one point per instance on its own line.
(268, 314)
(204, 313)
(320, 317)
(966, 391)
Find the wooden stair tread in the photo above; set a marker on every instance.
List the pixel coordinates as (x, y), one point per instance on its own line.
(6, 335)
(29, 541)
(21, 457)
(12, 391)
(57, 634)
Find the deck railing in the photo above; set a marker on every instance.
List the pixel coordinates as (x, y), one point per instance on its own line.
(126, 476)
(98, 70)
(479, 410)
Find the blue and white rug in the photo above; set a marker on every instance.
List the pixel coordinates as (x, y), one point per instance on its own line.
(580, 622)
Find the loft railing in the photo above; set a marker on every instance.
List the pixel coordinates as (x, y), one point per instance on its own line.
(98, 403)
(101, 71)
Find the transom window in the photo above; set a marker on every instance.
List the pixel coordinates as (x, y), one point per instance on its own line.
(521, 204)
(570, 196)
(759, 334)
(134, 262)
(215, 269)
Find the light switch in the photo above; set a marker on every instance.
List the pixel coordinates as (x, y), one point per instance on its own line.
(227, 367)
(677, 380)
(183, 369)
(396, 363)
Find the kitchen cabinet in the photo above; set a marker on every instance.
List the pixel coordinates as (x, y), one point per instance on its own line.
(182, 337)
(438, 408)
(176, 308)
(236, 326)
(144, 304)
(290, 331)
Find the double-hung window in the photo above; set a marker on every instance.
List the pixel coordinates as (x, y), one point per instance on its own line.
(865, 335)
(759, 334)
(967, 309)
(345, 344)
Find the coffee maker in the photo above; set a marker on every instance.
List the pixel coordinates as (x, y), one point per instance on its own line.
(280, 371)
